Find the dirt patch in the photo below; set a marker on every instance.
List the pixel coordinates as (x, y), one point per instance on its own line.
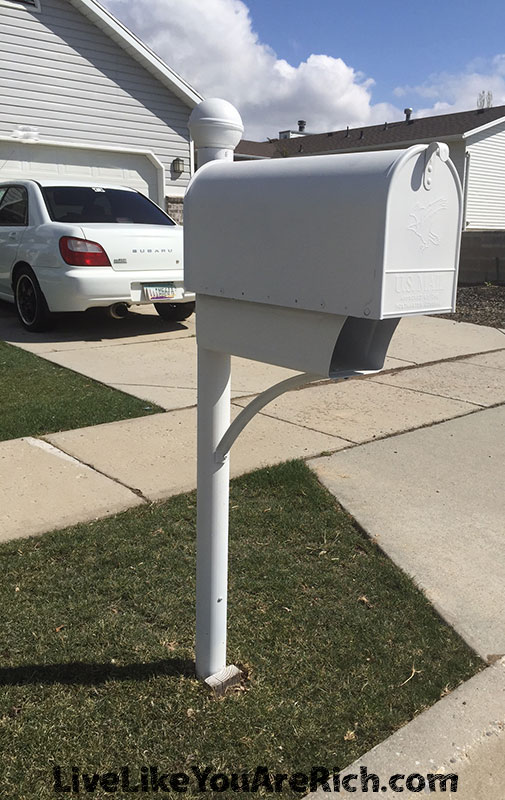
(482, 305)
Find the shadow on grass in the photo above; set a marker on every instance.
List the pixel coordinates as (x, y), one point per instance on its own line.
(84, 674)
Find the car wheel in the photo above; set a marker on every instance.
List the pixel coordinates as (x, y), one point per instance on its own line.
(174, 312)
(31, 304)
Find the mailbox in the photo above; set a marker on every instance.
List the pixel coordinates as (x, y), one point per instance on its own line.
(309, 262)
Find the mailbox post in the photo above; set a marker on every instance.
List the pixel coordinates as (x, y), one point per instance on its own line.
(319, 290)
(216, 129)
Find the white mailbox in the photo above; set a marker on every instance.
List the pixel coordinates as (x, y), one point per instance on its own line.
(364, 234)
(307, 263)
(301, 244)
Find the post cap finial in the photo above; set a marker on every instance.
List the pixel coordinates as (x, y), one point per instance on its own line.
(216, 123)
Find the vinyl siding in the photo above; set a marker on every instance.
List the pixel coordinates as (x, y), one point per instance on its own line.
(485, 208)
(66, 77)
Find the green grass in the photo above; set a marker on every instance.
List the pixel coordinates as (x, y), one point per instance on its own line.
(96, 643)
(38, 397)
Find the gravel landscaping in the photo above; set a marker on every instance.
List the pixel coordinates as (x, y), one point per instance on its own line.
(482, 305)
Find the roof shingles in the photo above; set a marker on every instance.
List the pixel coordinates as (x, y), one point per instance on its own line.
(375, 136)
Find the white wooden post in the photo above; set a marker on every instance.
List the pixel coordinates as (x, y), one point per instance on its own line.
(216, 128)
(214, 381)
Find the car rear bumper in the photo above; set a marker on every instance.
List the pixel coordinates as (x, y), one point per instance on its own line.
(80, 288)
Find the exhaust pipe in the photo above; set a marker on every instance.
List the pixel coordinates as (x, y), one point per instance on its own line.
(119, 310)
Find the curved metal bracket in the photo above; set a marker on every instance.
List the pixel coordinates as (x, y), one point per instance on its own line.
(247, 413)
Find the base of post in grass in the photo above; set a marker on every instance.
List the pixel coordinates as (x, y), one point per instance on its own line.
(223, 680)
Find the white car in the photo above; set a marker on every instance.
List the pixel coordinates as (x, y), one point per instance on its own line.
(74, 245)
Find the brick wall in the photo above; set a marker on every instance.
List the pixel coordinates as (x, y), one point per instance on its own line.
(482, 257)
(174, 207)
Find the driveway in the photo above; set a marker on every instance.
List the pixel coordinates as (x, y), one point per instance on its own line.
(141, 354)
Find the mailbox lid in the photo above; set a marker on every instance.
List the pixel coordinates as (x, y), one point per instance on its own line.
(309, 233)
(298, 233)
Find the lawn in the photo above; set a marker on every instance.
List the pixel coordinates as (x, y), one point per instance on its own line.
(339, 647)
(38, 397)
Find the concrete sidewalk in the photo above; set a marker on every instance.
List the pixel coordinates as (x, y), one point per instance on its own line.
(79, 475)
(434, 500)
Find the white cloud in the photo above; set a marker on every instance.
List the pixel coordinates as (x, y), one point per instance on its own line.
(212, 44)
(449, 92)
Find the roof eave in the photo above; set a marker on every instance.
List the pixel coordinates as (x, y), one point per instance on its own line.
(136, 48)
(247, 157)
(482, 128)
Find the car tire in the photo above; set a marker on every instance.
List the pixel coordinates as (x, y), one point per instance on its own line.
(31, 305)
(174, 312)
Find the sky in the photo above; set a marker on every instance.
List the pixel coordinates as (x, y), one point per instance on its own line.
(329, 62)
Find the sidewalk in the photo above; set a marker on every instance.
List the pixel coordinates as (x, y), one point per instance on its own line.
(79, 475)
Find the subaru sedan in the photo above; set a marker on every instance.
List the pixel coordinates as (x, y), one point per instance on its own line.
(71, 246)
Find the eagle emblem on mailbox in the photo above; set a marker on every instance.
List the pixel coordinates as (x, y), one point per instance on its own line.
(422, 217)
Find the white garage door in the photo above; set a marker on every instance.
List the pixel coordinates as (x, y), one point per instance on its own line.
(54, 160)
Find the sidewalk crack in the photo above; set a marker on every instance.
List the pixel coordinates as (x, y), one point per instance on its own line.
(102, 345)
(303, 427)
(430, 394)
(58, 451)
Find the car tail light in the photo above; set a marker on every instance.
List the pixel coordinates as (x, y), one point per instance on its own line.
(82, 253)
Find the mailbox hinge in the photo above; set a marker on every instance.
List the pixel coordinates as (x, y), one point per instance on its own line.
(439, 149)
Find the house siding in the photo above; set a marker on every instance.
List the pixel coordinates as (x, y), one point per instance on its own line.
(485, 206)
(64, 76)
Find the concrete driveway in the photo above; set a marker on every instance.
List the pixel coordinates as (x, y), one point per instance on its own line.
(141, 354)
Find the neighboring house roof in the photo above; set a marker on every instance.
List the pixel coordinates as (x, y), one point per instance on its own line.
(376, 137)
(255, 149)
(138, 50)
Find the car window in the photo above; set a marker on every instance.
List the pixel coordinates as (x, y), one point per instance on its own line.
(83, 204)
(14, 206)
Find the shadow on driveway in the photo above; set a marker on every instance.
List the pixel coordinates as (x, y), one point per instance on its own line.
(94, 325)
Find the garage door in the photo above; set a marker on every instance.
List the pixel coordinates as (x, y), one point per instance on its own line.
(54, 160)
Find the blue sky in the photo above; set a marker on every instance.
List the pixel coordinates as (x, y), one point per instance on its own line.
(329, 62)
(396, 42)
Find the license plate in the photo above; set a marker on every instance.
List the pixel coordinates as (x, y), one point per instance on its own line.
(165, 292)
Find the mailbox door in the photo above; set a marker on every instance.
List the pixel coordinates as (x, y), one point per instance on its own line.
(421, 253)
